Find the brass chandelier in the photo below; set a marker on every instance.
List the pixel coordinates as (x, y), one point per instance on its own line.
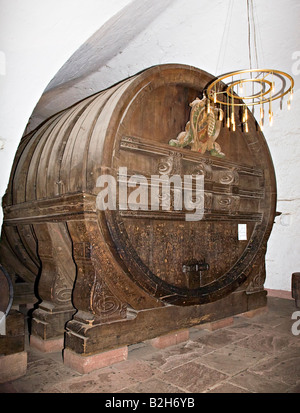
(250, 87)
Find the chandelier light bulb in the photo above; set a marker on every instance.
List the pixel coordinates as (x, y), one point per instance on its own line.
(261, 112)
(208, 107)
(228, 98)
(249, 87)
(261, 125)
(271, 118)
(232, 118)
(273, 87)
(245, 115)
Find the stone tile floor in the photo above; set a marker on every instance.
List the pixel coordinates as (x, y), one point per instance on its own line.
(252, 355)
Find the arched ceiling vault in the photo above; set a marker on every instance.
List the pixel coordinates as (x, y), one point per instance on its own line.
(69, 85)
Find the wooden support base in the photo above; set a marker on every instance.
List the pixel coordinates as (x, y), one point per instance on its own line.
(13, 358)
(49, 324)
(87, 339)
(13, 341)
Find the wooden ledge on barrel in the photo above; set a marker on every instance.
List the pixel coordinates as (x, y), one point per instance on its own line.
(86, 364)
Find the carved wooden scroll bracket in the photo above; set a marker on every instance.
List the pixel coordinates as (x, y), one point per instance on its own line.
(94, 300)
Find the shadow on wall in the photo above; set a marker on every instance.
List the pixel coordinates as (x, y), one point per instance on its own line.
(96, 52)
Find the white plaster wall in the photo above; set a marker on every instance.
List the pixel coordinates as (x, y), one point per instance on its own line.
(190, 32)
(36, 38)
(283, 256)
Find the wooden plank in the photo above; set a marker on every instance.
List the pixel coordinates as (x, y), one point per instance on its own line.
(14, 339)
(147, 324)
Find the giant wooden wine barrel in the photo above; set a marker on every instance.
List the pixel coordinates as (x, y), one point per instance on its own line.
(142, 257)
